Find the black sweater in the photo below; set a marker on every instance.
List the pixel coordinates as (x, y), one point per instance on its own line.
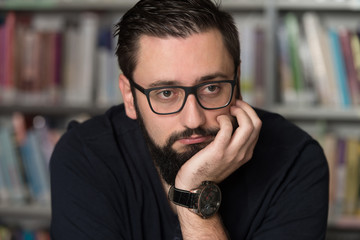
(105, 186)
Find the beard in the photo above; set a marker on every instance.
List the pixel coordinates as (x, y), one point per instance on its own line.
(166, 159)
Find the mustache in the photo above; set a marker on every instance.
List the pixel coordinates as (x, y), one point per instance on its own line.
(189, 132)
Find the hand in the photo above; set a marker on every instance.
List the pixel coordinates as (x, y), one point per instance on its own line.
(226, 153)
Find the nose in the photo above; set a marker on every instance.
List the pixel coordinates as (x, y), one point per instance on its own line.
(192, 115)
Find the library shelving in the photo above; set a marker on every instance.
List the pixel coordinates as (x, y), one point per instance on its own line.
(271, 71)
(316, 44)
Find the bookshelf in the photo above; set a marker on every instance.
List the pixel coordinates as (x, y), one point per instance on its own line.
(322, 111)
(318, 119)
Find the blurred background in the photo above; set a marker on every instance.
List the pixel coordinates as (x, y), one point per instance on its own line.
(57, 63)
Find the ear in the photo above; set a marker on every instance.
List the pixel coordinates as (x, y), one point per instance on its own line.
(125, 88)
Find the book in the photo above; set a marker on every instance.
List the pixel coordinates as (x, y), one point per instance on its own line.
(293, 36)
(80, 88)
(245, 25)
(5, 233)
(51, 59)
(7, 48)
(339, 201)
(46, 139)
(2, 55)
(28, 62)
(49, 28)
(339, 66)
(259, 68)
(71, 59)
(15, 233)
(4, 191)
(10, 167)
(352, 80)
(329, 144)
(287, 89)
(323, 76)
(107, 92)
(35, 168)
(250, 27)
(355, 47)
(352, 176)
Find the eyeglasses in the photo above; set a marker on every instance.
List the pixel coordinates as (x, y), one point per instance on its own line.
(171, 99)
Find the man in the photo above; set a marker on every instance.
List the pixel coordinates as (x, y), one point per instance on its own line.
(184, 157)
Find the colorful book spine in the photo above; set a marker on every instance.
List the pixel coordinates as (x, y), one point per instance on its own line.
(340, 68)
(7, 233)
(292, 27)
(10, 168)
(51, 59)
(352, 81)
(35, 168)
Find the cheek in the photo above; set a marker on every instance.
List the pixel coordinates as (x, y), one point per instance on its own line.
(212, 115)
(158, 127)
(159, 131)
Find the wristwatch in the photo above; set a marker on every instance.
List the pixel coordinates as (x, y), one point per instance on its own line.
(204, 200)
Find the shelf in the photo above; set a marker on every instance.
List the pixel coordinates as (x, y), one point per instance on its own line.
(233, 5)
(300, 113)
(345, 223)
(52, 109)
(318, 113)
(25, 211)
(29, 217)
(50, 5)
(318, 5)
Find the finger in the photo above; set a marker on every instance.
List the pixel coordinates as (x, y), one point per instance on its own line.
(224, 135)
(244, 129)
(256, 122)
(250, 112)
(246, 135)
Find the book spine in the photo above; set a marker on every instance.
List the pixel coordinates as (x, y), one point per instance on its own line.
(352, 81)
(16, 184)
(292, 27)
(339, 68)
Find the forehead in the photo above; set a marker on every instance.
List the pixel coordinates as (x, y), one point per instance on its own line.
(183, 60)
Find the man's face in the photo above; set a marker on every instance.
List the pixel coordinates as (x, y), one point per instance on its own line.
(174, 138)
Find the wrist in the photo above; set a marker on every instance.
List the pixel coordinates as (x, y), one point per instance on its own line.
(204, 200)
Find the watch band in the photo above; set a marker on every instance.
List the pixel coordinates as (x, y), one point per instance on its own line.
(204, 201)
(182, 197)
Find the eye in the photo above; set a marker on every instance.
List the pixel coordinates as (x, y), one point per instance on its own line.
(212, 88)
(165, 94)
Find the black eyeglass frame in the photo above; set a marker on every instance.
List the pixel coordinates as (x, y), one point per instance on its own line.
(188, 91)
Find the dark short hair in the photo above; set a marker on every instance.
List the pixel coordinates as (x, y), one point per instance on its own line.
(176, 18)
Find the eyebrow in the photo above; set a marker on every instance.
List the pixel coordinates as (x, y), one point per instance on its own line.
(200, 80)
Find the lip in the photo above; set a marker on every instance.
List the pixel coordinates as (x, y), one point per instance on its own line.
(194, 140)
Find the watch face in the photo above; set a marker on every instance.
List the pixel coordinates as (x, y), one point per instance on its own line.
(209, 200)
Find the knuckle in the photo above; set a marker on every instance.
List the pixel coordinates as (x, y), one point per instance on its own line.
(249, 130)
(249, 156)
(258, 123)
(241, 156)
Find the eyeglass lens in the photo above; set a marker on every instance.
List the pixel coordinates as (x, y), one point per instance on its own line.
(209, 96)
